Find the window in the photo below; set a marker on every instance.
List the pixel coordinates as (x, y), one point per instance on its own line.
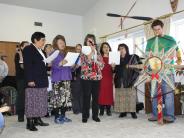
(177, 31)
(138, 38)
(130, 40)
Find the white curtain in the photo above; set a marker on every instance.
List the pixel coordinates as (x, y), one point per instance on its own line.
(149, 32)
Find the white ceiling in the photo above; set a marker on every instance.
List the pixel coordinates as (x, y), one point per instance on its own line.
(77, 7)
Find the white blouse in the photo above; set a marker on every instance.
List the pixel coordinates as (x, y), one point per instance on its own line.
(41, 53)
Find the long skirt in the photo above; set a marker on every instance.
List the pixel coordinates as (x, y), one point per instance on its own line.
(125, 100)
(61, 95)
(36, 102)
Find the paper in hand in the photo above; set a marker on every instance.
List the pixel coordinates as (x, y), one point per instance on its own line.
(86, 50)
(71, 58)
(51, 57)
(114, 57)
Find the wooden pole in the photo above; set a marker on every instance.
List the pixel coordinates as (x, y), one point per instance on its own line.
(160, 104)
(145, 23)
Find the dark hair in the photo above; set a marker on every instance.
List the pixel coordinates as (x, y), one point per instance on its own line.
(127, 55)
(22, 43)
(156, 23)
(101, 47)
(38, 36)
(92, 36)
(46, 46)
(126, 48)
(78, 45)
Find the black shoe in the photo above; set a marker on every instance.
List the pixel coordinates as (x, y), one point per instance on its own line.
(134, 116)
(38, 121)
(122, 115)
(30, 125)
(84, 120)
(152, 119)
(101, 113)
(168, 120)
(101, 110)
(109, 111)
(96, 119)
(20, 119)
(35, 121)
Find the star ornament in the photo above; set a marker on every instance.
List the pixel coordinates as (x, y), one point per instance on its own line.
(156, 67)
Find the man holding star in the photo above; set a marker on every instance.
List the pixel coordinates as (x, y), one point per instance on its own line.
(165, 43)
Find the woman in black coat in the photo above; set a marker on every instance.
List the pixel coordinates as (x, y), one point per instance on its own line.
(125, 94)
(37, 82)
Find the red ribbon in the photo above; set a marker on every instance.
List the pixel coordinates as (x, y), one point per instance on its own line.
(154, 76)
(160, 102)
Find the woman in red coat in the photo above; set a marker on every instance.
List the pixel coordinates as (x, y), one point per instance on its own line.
(106, 83)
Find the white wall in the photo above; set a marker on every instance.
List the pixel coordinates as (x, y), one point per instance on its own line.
(96, 21)
(17, 24)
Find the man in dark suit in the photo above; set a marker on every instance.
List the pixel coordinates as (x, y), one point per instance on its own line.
(20, 102)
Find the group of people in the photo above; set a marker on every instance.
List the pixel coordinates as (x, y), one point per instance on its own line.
(91, 78)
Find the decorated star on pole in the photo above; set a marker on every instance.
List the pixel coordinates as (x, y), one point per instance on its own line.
(156, 67)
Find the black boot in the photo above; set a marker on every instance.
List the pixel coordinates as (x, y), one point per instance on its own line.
(123, 114)
(84, 120)
(30, 125)
(39, 122)
(96, 119)
(35, 119)
(101, 110)
(108, 108)
(134, 116)
(20, 118)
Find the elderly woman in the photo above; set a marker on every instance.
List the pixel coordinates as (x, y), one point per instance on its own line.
(36, 81)
(125, 95)
(61, 79)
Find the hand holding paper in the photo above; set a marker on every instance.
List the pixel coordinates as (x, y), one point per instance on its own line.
(71, 58)
(63, 62)
(86, 50)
